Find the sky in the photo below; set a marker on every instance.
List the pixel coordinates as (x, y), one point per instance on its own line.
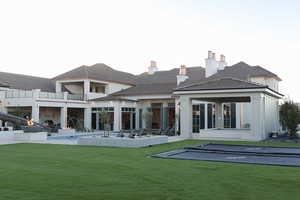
(48, 37)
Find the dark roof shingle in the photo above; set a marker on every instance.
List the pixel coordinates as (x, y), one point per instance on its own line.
(100, 72)
(25, 82)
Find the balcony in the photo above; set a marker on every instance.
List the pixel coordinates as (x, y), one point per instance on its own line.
(37, 94)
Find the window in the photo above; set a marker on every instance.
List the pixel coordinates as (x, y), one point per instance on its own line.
(211, 115)
(198, 117)
(229, 115)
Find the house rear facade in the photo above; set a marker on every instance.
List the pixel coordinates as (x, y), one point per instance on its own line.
(238, 102)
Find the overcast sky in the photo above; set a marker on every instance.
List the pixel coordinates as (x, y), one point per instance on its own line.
(46, 38)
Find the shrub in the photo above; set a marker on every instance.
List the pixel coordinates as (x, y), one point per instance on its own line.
(290, 117)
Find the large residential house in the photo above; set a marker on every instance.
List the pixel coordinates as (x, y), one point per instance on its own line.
(238, 102)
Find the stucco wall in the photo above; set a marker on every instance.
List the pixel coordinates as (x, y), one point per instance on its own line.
(271, 82)
(271, 114)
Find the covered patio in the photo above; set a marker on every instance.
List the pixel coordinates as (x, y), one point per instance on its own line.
(234, 110)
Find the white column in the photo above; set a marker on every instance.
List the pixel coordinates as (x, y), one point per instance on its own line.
(177, 114)
(185, 117)
(206, 116)
(66, 95)
(88, 118)
(238, 115)
(86, 88)
(63, 117)
(219, 115)
(58, 86)
(258, 119)
(35, 113)
(117, 113)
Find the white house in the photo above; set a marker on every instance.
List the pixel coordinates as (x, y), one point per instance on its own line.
(238, 102)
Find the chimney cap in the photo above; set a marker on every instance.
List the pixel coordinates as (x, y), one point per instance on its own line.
(222, 58)
(182, 70)
(213, 55)
(152, 63)
(209, 55)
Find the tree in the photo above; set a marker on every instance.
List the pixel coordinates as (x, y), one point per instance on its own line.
(105, 118)
(290, 117)
(147, 116)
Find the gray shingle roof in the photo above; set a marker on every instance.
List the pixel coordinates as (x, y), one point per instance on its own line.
(24, 82)
(148, 89)
(100, 72)
(241, 71)
(161, 82)
(194, 73)
(221, 84)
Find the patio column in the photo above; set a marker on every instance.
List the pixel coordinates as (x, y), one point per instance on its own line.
(117, 116)
(86, 86)
(206, 116)
(35, 113)
(219, 116)
(88, 118)
(58, 86)
(258, 116)
(63, 117)
(185, 117)
(177, 114)
(238, 115)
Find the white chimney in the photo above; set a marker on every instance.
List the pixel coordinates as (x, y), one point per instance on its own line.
(182, 76)
(222, 62)
(152, 68)
(211, 65)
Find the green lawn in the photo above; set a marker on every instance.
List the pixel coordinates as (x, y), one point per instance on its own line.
(45, 171)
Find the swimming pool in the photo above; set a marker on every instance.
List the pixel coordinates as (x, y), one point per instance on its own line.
(71, 137)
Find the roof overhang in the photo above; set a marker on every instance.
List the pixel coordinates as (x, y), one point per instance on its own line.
(230, 90)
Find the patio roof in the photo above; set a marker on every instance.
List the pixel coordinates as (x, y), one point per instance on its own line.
(225, 99)
(221, 84)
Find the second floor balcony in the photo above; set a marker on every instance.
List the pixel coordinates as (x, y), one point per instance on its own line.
(37, 94)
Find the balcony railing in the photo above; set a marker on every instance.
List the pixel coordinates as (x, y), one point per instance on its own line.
(77, 97)
(44, 95)
(51, 95)
(19, 94)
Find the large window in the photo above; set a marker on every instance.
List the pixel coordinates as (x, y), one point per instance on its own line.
(198, 117)
(229, 115)
(128, 118)
(157, 115)
(97, 122)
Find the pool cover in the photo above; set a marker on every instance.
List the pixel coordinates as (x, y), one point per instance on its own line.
(266, 155)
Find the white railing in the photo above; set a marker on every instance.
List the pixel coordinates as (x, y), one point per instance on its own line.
(78, 97)
(51, 95)
(36, 94)
(19, 94)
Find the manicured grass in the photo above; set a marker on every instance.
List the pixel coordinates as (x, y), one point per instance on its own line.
(61, 172)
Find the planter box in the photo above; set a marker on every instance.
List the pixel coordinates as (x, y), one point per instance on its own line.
(122, 142)
(66, 131)
(28, 137)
